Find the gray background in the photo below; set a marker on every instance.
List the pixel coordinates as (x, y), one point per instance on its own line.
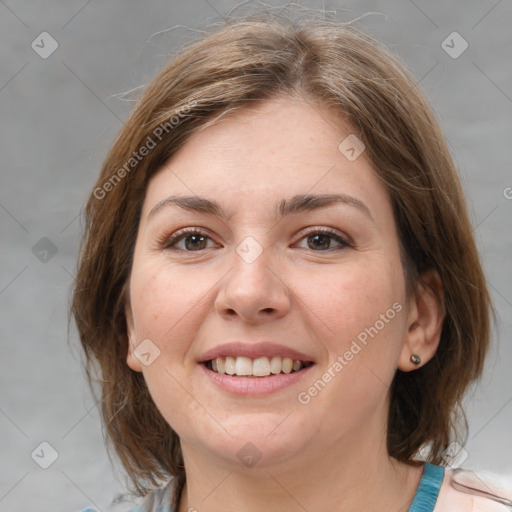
(60, 114)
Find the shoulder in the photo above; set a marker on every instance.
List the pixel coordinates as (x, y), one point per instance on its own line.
(475, 491)
(158, 500)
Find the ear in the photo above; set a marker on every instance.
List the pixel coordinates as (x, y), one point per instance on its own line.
(131, 360)
(426, 314)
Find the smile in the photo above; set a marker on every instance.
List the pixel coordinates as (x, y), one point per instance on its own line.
(242, 366)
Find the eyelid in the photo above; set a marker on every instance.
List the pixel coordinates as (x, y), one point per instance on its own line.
(340, 237)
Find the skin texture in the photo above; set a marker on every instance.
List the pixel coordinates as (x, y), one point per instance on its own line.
(294, 294)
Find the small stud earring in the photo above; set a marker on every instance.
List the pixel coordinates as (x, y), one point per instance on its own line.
(415, 359)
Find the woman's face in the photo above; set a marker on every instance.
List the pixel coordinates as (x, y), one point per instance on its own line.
(272, 268)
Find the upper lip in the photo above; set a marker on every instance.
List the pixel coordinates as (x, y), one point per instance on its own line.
(253, 350)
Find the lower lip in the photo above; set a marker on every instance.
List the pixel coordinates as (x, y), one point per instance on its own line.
(255, 386)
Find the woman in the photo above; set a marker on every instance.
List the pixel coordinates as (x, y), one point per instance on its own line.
(279, 283)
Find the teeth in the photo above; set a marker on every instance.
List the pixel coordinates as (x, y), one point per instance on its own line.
(275, 365)
(243, 366)
(229, 365)
(261, 367)
(287, 365)
(258, 367)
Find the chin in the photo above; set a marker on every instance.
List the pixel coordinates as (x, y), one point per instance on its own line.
(258, 441)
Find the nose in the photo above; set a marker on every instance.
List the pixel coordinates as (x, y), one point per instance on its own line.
(254, 291)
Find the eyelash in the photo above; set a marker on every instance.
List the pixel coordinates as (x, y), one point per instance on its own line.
(170, 241)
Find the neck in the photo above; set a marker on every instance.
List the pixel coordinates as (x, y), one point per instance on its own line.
(350, 476)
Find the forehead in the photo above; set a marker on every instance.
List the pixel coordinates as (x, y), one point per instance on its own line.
(272, 150)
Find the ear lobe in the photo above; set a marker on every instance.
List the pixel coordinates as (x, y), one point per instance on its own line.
(131, 360)
(424, 323)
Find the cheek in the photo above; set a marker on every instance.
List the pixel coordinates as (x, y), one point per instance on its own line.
(353, 298)
(363, 318)
(167, 305)
(168, 309)
(362, 325)
(349, 392)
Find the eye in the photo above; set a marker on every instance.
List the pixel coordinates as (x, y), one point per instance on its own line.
(195, 240)
(321, 240)
(187, 239)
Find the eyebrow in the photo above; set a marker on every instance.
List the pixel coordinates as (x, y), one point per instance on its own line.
(292, 205)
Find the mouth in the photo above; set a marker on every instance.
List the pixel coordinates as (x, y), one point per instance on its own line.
(259, 367)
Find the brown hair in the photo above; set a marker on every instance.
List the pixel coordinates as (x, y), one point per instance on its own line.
(327, 62)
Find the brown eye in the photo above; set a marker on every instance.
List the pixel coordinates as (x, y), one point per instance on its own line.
(194, 242)
(325, 240)
(189, 240)
(319, 241)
